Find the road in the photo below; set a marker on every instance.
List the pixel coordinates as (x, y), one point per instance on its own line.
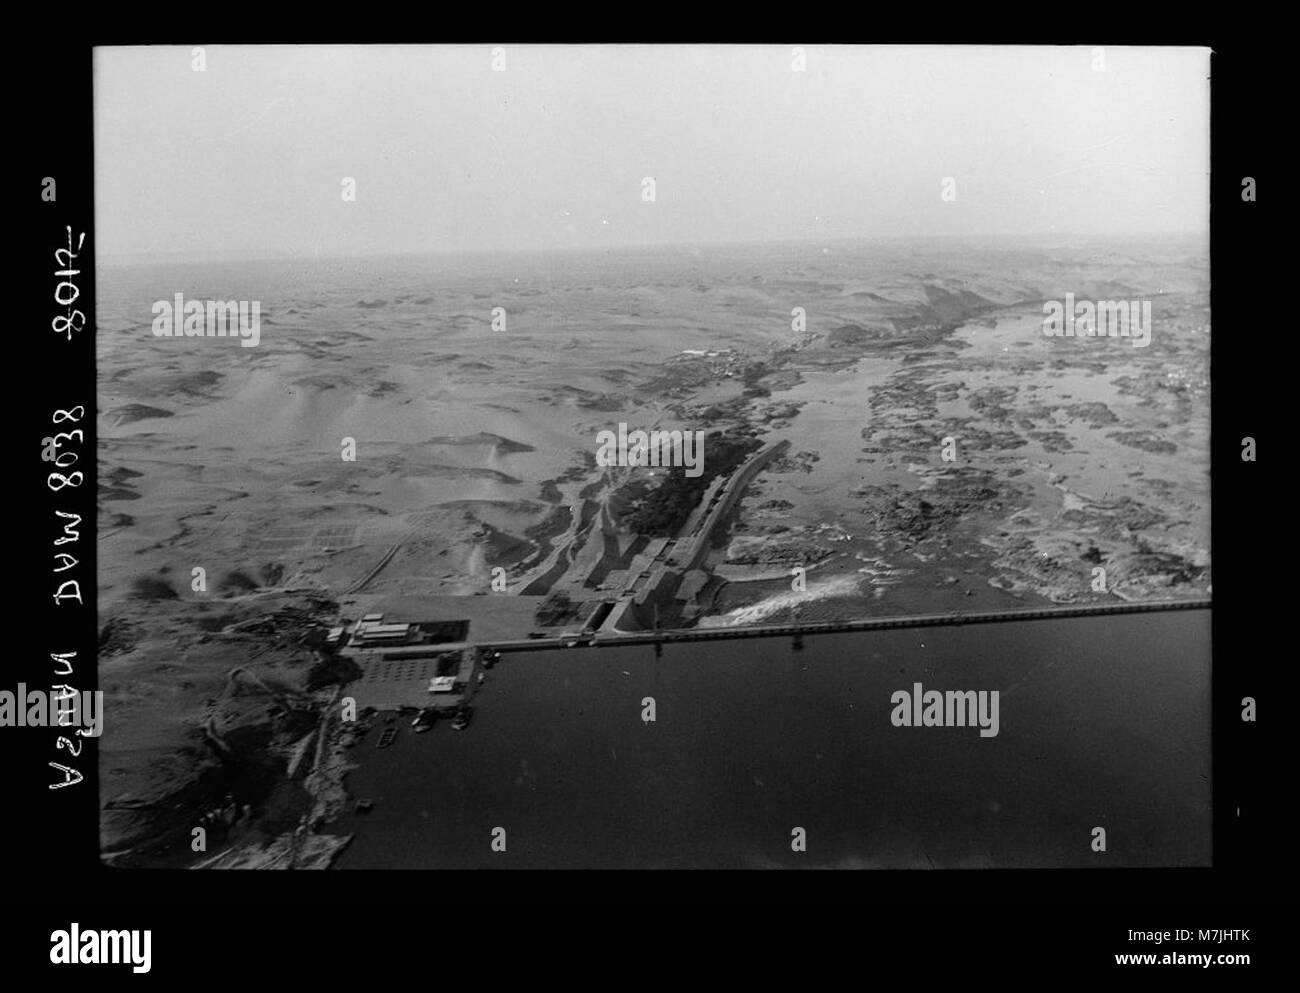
(866, 624)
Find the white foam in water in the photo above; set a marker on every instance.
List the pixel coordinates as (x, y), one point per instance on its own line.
(840, 586)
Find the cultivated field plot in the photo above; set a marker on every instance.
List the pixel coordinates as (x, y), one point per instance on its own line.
(283, 540)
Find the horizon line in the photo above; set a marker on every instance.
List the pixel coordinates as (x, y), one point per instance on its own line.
(287, 254)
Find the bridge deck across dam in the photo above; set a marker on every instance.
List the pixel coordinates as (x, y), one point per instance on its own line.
(836, 627)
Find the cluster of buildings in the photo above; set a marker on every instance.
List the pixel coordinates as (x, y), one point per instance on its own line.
(723, 363)
(408, 663)
(371, 634)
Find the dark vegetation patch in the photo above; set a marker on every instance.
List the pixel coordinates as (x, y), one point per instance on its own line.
(116, 637)
(237, 581)
(152, 588)
(331, 670)
(665, 509)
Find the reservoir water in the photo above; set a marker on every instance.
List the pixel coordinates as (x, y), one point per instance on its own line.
(1104, 722)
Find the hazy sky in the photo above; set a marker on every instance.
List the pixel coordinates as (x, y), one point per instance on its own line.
(448, 154)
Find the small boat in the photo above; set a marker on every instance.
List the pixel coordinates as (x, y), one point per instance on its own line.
(365, 806)
(481, 679)
(386, 738)
(461, 721)
(423, 721)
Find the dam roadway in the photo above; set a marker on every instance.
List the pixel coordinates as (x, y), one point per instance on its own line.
(609, 638)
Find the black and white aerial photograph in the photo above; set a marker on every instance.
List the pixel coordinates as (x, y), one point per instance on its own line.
(653, 456)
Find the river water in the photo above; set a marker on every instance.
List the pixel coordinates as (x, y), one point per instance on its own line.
(1103, 723)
